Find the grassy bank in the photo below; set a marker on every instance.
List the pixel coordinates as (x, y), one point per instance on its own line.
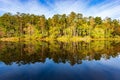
(62, 39)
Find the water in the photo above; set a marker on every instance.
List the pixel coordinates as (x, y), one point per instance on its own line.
(96, 60)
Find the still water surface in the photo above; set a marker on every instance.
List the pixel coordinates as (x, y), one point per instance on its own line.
(97, 60)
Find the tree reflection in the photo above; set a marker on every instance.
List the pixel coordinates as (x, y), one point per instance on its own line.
(72, 52)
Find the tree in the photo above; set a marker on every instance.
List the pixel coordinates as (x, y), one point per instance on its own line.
(60, 25)
(98, 20)
(97, 33)
(42, 25)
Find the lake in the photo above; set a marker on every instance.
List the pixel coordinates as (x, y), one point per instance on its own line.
(95, 60)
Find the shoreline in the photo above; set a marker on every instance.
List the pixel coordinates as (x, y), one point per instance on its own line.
(72, 39)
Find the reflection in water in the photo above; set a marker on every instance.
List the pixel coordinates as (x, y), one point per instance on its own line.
(97, 60)
(73, 53)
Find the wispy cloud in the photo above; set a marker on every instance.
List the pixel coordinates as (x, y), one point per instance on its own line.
(106, 8)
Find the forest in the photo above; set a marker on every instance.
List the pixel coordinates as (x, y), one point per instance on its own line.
(75, 26)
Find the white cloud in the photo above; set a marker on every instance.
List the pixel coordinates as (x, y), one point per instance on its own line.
(105, 9)
(13, 6)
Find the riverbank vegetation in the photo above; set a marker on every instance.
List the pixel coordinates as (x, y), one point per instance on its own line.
(72, 27)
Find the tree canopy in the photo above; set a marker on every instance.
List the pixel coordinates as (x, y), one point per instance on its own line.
(60, 25)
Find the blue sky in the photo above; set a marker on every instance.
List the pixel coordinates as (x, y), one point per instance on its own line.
(102, 8)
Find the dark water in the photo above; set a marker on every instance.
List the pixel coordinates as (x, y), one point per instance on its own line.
(97, 60)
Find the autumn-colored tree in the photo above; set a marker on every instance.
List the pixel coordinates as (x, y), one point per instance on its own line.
(60, 25)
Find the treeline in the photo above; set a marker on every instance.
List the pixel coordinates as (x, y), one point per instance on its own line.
(59, 26)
